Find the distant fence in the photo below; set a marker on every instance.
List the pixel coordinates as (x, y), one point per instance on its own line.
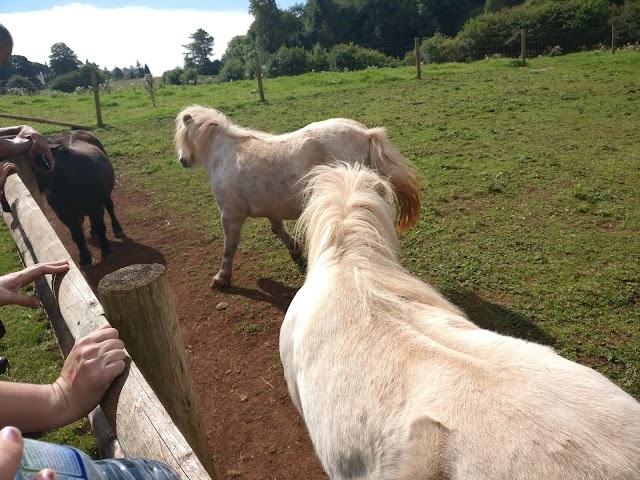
(520, 44)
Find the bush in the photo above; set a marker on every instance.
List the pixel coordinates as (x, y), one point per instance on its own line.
(288, 61)
(352, 57)
(579, 24)
(627, 22)
(72, 81)
(233, 69)
(21, 84)
(172, 77)
(440, 49)
(189, 76)
(318, 59)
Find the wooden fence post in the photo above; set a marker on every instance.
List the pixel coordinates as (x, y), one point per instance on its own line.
(259, 76)
(96, 95)
(417, 48)
(523, 46)
(613, 38)
(138, 302)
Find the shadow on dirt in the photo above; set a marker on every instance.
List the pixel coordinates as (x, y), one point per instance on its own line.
(271, 292)
(125, 252)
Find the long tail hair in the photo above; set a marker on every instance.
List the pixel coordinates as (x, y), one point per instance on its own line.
(385, 158)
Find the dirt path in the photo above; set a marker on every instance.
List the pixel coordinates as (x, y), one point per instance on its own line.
(254, 432)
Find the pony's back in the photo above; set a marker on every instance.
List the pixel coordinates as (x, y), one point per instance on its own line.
(394, 382)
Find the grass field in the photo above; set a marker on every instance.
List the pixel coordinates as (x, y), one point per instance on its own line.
(530, 187)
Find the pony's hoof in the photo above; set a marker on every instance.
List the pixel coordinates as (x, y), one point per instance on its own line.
(119, 234)
(219, 282)
(85, 266)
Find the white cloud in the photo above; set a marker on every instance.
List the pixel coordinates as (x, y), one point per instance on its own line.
(117, 37)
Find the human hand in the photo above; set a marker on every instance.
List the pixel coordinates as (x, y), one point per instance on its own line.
(6, 169)
(11, 283)
(11, 446)
(93, 363)
(39, 143)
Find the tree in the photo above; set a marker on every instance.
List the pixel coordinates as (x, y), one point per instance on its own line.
(62, 60)
(117, 74)
(268, 26)
(199, 51)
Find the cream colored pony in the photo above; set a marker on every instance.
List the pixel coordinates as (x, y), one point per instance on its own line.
(395, 383)
(256, 174)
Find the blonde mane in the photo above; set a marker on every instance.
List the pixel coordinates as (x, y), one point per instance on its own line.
(196, 124)
(349, 209)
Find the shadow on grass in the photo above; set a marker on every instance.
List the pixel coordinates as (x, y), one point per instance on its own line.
(498, 318)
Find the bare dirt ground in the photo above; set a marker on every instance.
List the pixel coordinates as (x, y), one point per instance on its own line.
(253, 429)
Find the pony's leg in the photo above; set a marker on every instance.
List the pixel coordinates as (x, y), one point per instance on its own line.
(115, 225)
(232, 230)
(99, 229)
(74, 224)
(277, 227)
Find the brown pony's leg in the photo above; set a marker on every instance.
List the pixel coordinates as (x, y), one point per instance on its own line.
(232, 230)
(277, 227)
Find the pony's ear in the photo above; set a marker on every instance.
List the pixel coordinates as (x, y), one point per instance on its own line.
(187, 119)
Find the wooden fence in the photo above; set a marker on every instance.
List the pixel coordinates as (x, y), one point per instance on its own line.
(131, 421)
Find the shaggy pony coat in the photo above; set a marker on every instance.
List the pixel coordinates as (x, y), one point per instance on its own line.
(257, 174)
(396, 383)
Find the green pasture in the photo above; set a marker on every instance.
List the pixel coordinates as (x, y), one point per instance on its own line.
(530, 182)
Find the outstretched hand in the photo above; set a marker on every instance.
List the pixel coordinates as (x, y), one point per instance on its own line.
(11, 283)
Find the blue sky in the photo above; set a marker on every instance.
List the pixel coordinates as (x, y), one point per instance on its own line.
(117, 33)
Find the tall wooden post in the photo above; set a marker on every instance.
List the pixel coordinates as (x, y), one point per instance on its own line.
(523, 46)
(137, 301)
(96, 95)
(613, 38)
(259, 76)
(417, 48)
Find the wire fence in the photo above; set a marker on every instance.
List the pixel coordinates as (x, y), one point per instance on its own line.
(518, 45)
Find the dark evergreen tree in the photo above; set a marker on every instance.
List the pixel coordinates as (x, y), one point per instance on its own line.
(198, 51)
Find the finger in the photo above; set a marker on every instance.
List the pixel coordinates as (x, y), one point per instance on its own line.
(102, 334)
(114, 355)
(110, 345)
(13, 298)
(46, 474)
(11, 446)
(34, 272)
(113, 369)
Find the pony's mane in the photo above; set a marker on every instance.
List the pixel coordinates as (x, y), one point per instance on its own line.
(206, 118)
(349, 209)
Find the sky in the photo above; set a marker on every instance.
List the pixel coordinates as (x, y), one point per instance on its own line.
(118, 33)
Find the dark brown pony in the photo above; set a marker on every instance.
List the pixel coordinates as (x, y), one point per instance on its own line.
(79, 185)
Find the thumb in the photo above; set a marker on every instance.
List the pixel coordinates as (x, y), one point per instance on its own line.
(10, 452)
(23, 300)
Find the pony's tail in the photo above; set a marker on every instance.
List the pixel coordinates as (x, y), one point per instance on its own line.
(385, 158)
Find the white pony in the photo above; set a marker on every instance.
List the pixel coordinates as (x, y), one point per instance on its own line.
(256, 174)
(395, 383)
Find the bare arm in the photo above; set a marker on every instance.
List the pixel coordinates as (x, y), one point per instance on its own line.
(23, 139)
(90, 367)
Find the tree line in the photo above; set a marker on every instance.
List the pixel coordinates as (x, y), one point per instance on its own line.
(348, 34)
